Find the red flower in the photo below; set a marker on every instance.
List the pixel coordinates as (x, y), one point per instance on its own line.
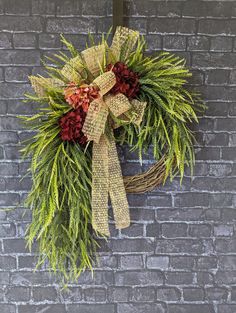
(71, 126)
(127, 81)
(80, 96)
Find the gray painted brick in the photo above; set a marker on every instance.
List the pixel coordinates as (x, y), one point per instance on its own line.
(222, 44)
(107, 261)
(135, 230)
(200, 230)
(14, 7)
(8, 308)
(144, 294)
(154, 42)
(153, 230)
(227, 262)
(52, 308)
(179, 245)
(18, 294)
(207, 262)
(162, 200)
(226, 308)
(186, 214)
(1, 6)
(5, 41)
(217, 76)
(26, 278)
(70, 26)
(181, 235)
(138, 8)
(233, 294)
(91, 308)
(193, 308)
(72, 294)
(9, 57)
(7, 262)
(131, 262)
(68, 8)
(7, 230)
(97, 8)
(198, 43)
(157, 262)
(179, 278)
(17, 74)
(169, 9)
(173, 230)
(209, 8)
(41, 294)
(14, 90)
(216, 293)
(232, 140)
(218, 108)
(4, 278)
(222, 27)
(14, 245)
(223, 230)
(128, 278)
(176, 43)
(24, 40)
(191, 8)
(132, 245)
(166, 293)
(193, 294)
(44, 7)
(191, 199)
(215, 60)
(182, 262)
(20, 24)
(95, 294)
(49, 41)
(140, 308)
(7, 199)
(225, 277)
(9, 169)
(219, 200)
(1, 80)
(205, 278)
(119, 294)
(165, 25)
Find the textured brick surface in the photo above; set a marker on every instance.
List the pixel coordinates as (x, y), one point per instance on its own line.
(179, 254)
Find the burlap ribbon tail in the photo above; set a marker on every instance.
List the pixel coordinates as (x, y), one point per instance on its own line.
(106, 171)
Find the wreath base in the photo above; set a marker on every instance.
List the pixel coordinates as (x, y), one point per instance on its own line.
(148, 180)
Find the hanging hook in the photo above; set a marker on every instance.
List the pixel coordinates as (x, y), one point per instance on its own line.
(118, 14)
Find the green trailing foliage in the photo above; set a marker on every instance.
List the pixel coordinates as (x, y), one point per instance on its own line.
(170, 109)
(60, 197)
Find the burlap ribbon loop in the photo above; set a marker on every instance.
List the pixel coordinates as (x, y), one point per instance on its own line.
(107, 178)
(123, 42)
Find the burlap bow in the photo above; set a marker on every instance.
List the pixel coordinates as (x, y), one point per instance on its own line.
(106, 172)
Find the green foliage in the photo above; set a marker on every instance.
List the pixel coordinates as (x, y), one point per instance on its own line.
(60, 196)
(170, 109)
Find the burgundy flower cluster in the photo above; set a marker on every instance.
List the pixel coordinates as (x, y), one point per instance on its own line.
(127, 81)
(72, 122)
(71, 126)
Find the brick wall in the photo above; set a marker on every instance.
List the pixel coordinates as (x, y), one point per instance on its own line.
(179, 255)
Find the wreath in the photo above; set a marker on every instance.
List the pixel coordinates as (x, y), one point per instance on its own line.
(91, 101)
